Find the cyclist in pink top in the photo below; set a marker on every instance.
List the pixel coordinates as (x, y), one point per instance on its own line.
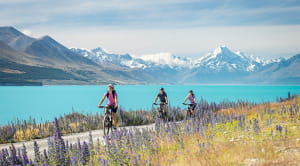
(112, 102)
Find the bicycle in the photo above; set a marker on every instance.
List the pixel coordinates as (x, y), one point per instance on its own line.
(107, 121)
(160, 111)
(189, 112)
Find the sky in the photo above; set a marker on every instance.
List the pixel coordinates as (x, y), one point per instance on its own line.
(190, 28)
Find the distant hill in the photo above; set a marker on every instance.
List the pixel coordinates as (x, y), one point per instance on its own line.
(52, 52)
(26, 60)
(15, 38)
(46, 61)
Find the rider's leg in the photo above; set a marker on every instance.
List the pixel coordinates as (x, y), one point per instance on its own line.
(106, 109)
(193, 112)
(165, 112)
(193, 109)
(114, 117)
(165, 108)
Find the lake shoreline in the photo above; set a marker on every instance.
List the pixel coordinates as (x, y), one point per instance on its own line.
(49, 101)
(41, 84)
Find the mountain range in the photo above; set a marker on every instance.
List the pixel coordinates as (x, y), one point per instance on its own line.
(25, 60)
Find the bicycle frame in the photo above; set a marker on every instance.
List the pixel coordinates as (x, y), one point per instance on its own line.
(189, 111)
(160, 111)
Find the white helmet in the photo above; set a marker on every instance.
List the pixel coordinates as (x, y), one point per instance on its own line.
(110, 85)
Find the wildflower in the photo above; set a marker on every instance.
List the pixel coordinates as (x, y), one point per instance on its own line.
(24, 156)
(256, 127)
(85, 153)
(279, 128)
(37, 155)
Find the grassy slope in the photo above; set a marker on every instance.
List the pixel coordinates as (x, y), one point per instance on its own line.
(231, 144)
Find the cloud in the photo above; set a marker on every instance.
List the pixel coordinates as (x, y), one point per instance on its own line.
(183, 27)
(265, 41)
(136, 13)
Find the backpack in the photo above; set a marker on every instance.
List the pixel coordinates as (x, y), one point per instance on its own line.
(113, 92)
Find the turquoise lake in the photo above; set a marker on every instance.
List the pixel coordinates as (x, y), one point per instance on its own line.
(47, 102)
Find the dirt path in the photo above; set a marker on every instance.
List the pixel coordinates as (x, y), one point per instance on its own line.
(71, 138)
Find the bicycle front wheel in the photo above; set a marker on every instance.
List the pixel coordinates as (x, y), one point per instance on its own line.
(107, 125)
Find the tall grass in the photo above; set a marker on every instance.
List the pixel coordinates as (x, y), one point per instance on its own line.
(22, 130)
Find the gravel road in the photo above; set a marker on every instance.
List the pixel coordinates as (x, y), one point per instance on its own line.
(71, 138)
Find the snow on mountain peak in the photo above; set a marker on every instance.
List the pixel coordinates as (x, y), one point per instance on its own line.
(221, 59)
(167, 59)
(224, 59)
(221, 50)
(81, 51)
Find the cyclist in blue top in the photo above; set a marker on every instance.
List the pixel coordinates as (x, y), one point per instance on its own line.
(162, 95)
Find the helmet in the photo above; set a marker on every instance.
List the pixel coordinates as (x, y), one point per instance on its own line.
(161, 89)
(110, 85)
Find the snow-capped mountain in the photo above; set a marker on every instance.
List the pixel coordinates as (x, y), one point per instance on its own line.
(223, 59)
(160, 60)
(220, 60)
(99, 55)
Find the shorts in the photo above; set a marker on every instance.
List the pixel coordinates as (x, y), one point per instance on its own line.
(112, 108)
(192, 107)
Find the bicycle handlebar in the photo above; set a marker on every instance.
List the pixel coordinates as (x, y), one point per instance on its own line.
(188, 104)
(160, 103)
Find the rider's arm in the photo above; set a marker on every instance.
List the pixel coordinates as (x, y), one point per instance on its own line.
(101, 101)
(186, 98)
(166, 99)
(116, 101)
(195, 100)
(155, 99)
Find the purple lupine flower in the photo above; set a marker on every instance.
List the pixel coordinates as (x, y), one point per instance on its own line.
(256, 127)
(60, 157)
(4, 160)
(13, 155)
(19, 153)
(24, 157)
(104, 162)
(37, 155)
(279, 128)
(74, 162)
(85, 153)
(241, 121)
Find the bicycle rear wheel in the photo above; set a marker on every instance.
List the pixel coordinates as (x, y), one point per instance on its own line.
(107, 125)
(188, 115)
(165, 116)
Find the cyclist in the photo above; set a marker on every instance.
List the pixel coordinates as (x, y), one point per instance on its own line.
(112, 103)
(191, 97)
(162, 95)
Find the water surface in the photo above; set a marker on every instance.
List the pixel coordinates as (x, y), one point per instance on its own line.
(47, 102)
